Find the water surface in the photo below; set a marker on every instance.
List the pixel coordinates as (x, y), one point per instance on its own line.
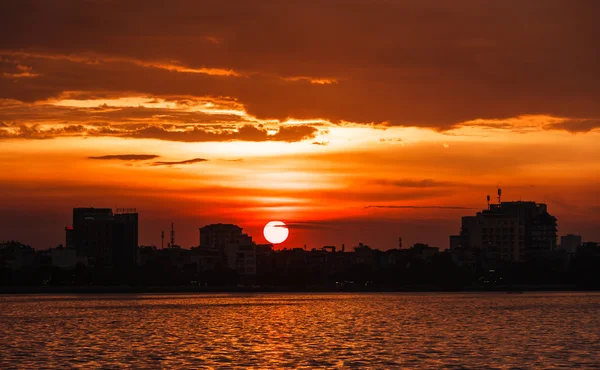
(475, 330)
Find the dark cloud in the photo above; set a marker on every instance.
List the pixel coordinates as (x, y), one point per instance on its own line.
(321, 143)
(189, 161)
(167, 132)
(182, 112)
(126, 157)
(418, 207)
(22, 131)
(308, 225)
(393, 61)
(407, 183)
(244, 133)
(575, 125)
(294, 133)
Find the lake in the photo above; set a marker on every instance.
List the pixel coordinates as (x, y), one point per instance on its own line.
(375, 330)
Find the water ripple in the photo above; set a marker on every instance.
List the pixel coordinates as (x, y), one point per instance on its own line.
(454, 331)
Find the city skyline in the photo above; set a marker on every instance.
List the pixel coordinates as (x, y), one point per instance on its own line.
(299, 184)
(495, 215)
(504, 246)
(214, 112)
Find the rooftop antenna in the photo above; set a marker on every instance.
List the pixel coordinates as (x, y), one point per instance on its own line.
(400, 243)
(162, 240)
(172, 235)
(488, 201)
(499, 195)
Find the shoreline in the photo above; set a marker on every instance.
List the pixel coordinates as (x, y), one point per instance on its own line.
(126, 289)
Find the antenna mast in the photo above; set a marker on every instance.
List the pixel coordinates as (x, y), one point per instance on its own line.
(488, 201)
(172, 235)
(499, 195)
(162, 240)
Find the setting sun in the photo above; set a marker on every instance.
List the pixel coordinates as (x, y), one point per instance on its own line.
(276, 232)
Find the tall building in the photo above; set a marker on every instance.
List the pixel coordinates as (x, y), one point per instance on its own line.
(105, 238)
(219, 235)
(239, 249)
(454, 242)
(570, 243)
(69, 242)
(125, 238)
(92, 234)
(509, 231)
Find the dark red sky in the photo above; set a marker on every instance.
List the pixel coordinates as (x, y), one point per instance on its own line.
(351, 120)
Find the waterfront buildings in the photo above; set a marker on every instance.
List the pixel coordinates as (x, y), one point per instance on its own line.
(105, 238)
(239, 249)
(570, 243)
(508, 231)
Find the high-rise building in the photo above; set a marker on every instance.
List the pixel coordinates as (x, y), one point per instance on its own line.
(92, 234)
(239, 249)
(510, 231)
(454, 242)
(570, 243)
(106, 239)
(69, 242)
(125, 239)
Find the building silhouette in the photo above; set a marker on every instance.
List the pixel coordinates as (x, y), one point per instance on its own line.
(104, 238)
(238, 247)
(69, 242)
(508, 231)
(125, 239)
(92, 234)
(570, 243)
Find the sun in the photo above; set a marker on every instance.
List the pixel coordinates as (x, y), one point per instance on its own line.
(276, 232)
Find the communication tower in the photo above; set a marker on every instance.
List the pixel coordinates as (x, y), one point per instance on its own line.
(172, 235)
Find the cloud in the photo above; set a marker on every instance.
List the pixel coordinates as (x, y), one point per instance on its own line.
(292, 133)
(312, 80)
(407, 183)
(247, 132)
(487, 71)
(189, 161)
(575, 125)
(94, 58)
(125, 113)
(307, 225)
(22, 71)
(126, 157)
(37, 132)
(417, 207)
(20, 75)
(321, 143)
(142, 123)
(533, 123)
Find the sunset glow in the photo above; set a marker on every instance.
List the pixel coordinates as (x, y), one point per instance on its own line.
(276, 232)
(393, 131)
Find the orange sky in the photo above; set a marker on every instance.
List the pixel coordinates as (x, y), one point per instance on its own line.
(351, 121)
